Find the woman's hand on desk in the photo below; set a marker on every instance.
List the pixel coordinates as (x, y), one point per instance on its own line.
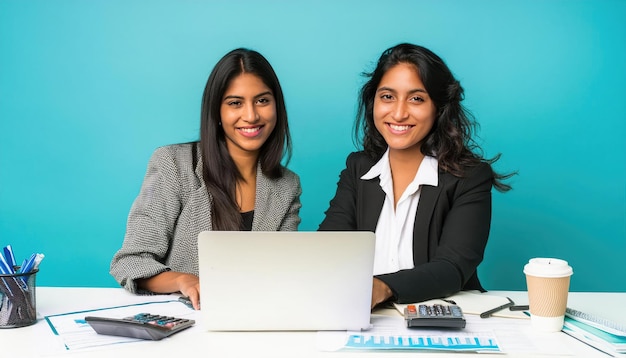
(170, 281)
(380, 292)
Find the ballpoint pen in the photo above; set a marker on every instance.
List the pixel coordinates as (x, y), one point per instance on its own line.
(488, 313)
(519, 308)
(5, 269)
(8, 255)
(28, 263)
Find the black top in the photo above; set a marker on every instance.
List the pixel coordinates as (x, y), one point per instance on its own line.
(247, 220)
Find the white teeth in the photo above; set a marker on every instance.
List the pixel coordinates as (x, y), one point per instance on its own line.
(250, 130)
(399, 128)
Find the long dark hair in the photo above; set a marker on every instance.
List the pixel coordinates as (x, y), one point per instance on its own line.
(450, 140)
(219, 171)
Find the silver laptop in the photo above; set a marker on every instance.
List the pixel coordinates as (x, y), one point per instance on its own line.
(285, 281)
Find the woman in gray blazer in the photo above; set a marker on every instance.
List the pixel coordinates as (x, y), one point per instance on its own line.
(420, 182)
(232, 179)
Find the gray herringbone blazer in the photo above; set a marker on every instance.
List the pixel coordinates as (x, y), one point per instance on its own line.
(173, 206)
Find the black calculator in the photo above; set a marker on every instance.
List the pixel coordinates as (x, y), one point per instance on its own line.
(434, 316)
(142, 326)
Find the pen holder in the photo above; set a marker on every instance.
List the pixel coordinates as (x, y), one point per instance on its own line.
(17, 300)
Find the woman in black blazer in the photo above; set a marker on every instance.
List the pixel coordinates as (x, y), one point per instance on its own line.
(420, 181)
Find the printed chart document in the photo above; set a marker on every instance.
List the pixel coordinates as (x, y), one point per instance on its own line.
(390, 333)
(494, 334)
(72, 333)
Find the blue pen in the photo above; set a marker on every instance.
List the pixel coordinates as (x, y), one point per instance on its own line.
(5, 269)
(8, 255)
(28, 265)
(22, 266)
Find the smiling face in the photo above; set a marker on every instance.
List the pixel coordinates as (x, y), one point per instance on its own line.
(403, 111)
(248, 114)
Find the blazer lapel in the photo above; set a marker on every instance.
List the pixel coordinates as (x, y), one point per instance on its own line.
(201, 211)
(373, 200)
(425, 208)
(262, 213)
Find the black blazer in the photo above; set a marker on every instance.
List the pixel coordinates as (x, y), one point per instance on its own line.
(449, 237)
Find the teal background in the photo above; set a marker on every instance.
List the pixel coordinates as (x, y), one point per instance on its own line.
(88, 89)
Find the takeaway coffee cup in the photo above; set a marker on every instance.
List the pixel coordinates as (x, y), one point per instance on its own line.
(548, 281)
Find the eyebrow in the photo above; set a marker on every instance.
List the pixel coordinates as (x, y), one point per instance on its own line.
(416, 90)
(232, 96)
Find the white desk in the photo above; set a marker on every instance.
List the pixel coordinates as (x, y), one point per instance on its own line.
(22, 342)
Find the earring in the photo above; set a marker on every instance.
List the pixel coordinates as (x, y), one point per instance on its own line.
(219, 123)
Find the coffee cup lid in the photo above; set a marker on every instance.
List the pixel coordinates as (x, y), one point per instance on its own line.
(548, 267)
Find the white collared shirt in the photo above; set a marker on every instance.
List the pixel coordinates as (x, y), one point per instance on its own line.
(394, 231)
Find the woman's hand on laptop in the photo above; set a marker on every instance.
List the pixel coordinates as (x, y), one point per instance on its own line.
(189, 285)
(380, 292)
(171, 281)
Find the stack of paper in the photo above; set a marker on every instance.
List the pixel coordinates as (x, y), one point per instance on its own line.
(608, 341)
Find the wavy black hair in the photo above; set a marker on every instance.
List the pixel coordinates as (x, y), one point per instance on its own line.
(450, 140)
(220, 173)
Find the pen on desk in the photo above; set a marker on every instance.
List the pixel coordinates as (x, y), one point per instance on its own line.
(488, 313)
(519, 308)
